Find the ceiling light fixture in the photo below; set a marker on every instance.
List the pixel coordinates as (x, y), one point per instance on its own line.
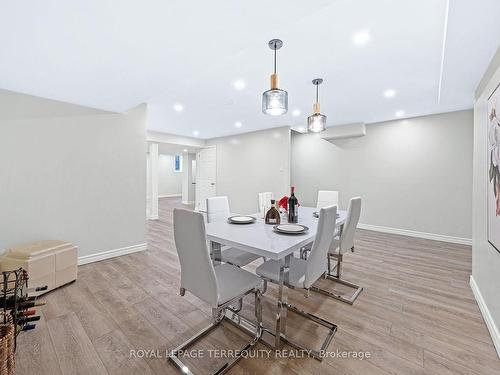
(178, 107)
(239, 84)
(400, 113)
(238, 124)
(275, 100)
(316, 122)
(296, 112)
(185, 150)
(196, 133)
(361, 37)
(390, 93)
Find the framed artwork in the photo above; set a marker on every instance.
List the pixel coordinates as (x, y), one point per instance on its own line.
(178, 163)
(494, 169)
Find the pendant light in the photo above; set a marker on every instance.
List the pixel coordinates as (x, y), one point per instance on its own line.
(275, 101)
(316, 122)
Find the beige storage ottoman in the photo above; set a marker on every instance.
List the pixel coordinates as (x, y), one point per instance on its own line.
(50, 262)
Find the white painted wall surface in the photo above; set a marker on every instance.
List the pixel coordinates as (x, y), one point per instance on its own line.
(412, 174)
(485, 259)
(71, 173)
(169, 181)
(251, 163)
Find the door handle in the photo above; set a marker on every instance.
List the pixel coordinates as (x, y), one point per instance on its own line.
(212, 183)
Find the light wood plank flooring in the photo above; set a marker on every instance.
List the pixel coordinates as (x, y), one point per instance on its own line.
(416, 315)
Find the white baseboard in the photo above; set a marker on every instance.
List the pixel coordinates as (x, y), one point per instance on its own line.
(495, 334)
(412, 233)
(170, 196)
(111, 253)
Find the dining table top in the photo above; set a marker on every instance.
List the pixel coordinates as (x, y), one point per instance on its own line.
(261, 239)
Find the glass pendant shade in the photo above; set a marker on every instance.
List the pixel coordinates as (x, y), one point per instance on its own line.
(275, 102)
(316, 123)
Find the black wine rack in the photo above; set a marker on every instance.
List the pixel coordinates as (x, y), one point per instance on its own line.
(14, 287)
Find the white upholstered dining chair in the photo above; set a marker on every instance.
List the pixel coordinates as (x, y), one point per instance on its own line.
(303, 273)
(219, 286)
(340, 245)
(327, 198)
(218, 210)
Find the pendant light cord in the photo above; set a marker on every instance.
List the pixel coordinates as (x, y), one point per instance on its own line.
(275, 60)
(317, 93)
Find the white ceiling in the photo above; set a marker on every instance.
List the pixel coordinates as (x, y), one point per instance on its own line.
(113, 55)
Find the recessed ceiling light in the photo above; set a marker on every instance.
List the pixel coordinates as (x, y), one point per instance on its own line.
(296, 112)
(390, 93)
(185, 150)
(400, 113)
(196, 133)
(239, 84)
(238, 124)
(361, 37)
(178, 107)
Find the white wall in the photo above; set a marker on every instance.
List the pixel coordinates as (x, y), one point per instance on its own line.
(188, 178)
(251, 163)
(169, 181)
(485, 280)
(71, 173)
(412, 174)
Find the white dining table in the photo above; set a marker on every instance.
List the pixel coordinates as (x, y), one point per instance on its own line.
(261, 239)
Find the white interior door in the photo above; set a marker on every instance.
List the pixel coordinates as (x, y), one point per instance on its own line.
(206, 170)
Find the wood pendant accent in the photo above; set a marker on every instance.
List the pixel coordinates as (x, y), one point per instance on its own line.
(274, 81)
(316, 108)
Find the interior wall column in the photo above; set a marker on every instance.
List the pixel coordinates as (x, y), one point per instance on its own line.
(153, 185)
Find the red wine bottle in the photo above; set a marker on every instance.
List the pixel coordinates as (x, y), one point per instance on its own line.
(26, 313)
(293, 207)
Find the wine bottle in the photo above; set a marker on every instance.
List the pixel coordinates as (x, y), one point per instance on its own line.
(26, 313)
(273, 215)
(37, 289)
(29, 305)
(293, 207)
(9, 302)
(28, 319)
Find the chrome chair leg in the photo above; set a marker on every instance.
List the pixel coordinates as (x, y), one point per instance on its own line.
(337, 278)
(218, 315)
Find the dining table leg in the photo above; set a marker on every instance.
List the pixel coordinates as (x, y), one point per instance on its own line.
(216, 252)
(281, 313)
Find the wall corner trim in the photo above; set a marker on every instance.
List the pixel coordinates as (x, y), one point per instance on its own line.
(412, 233)
(111, 253)
(490, 324)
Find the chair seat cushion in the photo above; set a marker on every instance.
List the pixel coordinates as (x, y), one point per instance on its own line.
(237, 257)
(297, 273)
(233, 282)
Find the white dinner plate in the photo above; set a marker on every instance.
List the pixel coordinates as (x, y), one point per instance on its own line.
(291, 228)
(241, 219)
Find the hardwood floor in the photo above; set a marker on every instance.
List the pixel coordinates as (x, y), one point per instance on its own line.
(416, 315)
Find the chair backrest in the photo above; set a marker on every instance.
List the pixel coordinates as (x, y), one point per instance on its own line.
(265, 200)
(217, 209)
(317, 258)
(197, 270)
(327, 198)
(351, 222)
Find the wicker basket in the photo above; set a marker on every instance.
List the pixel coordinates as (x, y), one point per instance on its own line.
(7, 332)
